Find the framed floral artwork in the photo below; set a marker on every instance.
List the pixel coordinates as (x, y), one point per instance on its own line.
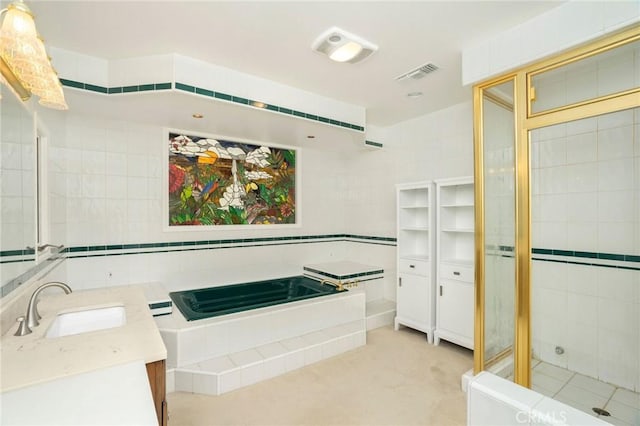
(219, 181)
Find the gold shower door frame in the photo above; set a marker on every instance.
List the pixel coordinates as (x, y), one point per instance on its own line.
(526, 121)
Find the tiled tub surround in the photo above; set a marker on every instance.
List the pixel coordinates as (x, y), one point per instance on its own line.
(359, 277)
(219, 354)
(199, 264)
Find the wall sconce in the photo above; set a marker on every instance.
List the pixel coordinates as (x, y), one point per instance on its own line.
(24, 63)
(341, 46)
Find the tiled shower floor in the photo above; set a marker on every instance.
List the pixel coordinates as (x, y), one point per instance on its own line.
(584, 393)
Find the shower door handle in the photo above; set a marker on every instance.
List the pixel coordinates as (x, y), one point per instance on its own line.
(399, 281)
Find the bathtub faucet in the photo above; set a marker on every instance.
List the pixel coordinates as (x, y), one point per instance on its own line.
(351, 284)
(337, 285)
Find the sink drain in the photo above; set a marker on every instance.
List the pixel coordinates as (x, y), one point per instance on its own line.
(601, 411)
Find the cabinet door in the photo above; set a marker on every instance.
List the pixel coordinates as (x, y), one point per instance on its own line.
(413, 297)
(455, 307)
(156, 372)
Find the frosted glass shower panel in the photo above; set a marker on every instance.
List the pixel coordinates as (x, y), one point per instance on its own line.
(608, 73)
(499, 220)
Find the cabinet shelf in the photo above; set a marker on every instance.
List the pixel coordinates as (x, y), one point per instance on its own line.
(457, 205)
(463, 230)
(414, 228)
(414, 207)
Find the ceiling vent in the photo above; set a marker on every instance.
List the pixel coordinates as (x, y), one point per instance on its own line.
(418, 73)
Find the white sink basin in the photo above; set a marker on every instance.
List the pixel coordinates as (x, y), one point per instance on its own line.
(69, 323)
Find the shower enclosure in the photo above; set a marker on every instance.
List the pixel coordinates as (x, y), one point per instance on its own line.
(557, 147)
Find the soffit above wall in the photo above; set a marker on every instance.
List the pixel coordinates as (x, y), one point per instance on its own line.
(271, 40)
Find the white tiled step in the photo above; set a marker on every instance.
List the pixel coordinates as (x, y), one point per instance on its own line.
(226, 373)
(380, 313)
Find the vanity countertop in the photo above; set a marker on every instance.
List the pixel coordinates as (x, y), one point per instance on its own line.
(33, 358)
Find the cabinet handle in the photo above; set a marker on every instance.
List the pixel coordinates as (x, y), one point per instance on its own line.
(400, 282)
(440, 290)
(412, 266)
(456, 273)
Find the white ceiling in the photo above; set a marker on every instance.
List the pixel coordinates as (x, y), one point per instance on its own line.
(272, 40)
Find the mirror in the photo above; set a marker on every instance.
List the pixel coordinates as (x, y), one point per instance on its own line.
(18, 191)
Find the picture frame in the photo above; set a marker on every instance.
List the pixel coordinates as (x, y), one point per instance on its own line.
(222, 182)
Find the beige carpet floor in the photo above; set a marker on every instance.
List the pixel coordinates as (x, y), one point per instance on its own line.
(396, 379)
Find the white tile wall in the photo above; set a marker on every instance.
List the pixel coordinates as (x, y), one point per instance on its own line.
(112, 172)
(592, 312)
(595, 320)
(570, 24)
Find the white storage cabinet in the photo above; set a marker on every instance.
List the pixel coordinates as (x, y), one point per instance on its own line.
(416, 269)
(455, 261)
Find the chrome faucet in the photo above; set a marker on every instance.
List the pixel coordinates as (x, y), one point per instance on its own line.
(32, 319)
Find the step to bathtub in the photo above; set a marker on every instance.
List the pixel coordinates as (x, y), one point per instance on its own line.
(380, 313)
(229, 372)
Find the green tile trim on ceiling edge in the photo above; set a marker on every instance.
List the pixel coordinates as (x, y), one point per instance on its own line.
(209, 94)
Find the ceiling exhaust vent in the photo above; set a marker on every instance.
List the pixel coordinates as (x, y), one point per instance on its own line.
(418, 73)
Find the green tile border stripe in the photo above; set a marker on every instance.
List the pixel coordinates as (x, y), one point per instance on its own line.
(347, 276)
(587, 258)
(158, 305)
(210, 94)
(632, 268)
(25, 252)
(576, 257)
(372, 143)
(149, 87)
(587, 255)
(578, 254)
(144, 248)
(261, 105)
(24, 277)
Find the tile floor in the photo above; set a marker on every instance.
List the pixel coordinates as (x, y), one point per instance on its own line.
(584, 393)
(396, 379)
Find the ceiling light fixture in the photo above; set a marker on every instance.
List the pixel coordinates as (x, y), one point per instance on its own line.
(24, 62)
(197, 115)
(341, 46)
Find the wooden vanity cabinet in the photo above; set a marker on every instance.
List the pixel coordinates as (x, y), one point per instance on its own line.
(157, 373)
